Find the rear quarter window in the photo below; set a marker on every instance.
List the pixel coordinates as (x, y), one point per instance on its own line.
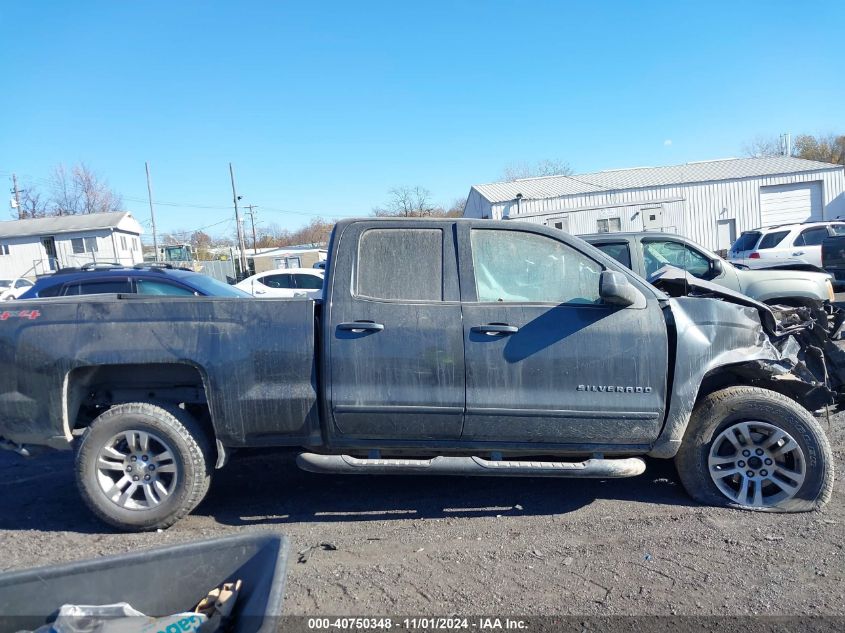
(747, 241)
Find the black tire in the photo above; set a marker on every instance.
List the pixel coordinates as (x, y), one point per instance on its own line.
(171, 428)
(721, 411)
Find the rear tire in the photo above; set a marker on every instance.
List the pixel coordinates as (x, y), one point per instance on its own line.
(755, 449)
(142, 466)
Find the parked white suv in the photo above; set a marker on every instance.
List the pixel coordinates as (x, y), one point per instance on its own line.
(796, 242)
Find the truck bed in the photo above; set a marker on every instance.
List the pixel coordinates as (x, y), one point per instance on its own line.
(254, 360)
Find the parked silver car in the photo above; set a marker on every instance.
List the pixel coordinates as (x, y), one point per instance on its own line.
(647, 252)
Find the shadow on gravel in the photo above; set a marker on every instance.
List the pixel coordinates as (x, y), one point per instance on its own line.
(270, 489)
(267, 488)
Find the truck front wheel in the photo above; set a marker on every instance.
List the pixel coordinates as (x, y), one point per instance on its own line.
(142, 467)
(755, 449)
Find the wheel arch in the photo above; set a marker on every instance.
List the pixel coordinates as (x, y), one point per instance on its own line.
(753, 373)
(92, 389)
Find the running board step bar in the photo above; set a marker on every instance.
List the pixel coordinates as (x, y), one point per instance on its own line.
(472, 466)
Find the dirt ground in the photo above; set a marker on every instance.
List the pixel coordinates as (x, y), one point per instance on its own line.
(438, 546)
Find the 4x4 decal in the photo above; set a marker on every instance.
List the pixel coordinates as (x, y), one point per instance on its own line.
(19, 314)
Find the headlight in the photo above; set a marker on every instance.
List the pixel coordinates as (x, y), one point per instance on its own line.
(831, 295)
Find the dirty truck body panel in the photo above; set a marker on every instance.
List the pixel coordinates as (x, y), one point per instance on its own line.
(434, 336)
(255, 360)
(430, 372)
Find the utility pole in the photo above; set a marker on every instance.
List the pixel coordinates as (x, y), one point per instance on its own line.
(152, 210)
(251, 215)
(17, 196)
(241, 243)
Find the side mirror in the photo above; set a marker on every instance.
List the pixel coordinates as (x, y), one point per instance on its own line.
(716, 267)
(614, 288)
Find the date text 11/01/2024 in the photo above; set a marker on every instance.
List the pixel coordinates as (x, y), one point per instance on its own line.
(424, 623)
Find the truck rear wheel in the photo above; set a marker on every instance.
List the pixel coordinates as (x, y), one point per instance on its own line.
(755, 449)
(142, 467)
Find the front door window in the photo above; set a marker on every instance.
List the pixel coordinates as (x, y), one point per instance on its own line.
(517, 267)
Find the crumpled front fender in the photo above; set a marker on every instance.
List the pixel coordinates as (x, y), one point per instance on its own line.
(710, 334)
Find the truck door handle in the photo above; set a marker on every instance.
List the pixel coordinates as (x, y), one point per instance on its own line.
(361, 326)
(496, 329)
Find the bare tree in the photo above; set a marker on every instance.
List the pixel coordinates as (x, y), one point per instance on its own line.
(80, 191)
(64, 198)
(827, 148)
(408, 202)
(32, 203)
(545, 167)
(763, 146)
(457, 208)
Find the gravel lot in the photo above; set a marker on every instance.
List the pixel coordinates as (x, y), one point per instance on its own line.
(408, 545)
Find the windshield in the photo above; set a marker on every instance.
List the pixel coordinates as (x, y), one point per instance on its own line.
(216, 288)
(747, 241)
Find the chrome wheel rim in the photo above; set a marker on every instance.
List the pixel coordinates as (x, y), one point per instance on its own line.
(756, 464)
(137, 470)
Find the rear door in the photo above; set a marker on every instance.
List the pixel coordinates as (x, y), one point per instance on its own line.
(547, 361)
(808, 245)
(396, 351)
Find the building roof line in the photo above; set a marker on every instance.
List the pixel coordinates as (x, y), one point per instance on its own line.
(546, 187)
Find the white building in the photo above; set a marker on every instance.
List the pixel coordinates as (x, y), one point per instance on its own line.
(710, 202)
(42, 245)
(286, 257)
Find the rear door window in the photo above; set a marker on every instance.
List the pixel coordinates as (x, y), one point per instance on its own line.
(161, 288)
(770, 240)
(277, 281)
(400, 264)
(811, 237)
(838, 229)
(618, 251)
(105, 286)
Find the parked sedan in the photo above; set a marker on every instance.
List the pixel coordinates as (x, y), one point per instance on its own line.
(13, 288)
(285, 283)
(647, 252)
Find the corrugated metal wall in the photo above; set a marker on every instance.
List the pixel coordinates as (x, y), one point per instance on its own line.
(693, 210)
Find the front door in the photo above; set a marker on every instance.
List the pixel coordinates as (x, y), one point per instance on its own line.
(547, 361)
(394, 333)
(49, 244)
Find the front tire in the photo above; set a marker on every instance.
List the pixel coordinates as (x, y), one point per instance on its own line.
(755, 449)
(143, 467)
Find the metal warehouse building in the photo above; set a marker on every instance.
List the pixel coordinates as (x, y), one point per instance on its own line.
(710, 202)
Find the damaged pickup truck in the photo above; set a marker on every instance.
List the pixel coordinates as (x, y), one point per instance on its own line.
(455, 347)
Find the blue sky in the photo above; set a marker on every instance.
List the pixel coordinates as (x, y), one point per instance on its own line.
(323, 107)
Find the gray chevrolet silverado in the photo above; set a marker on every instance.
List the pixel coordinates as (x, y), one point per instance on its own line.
(441, 347)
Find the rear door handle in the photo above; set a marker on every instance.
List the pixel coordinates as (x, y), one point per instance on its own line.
(361, 326)
(496, 329)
